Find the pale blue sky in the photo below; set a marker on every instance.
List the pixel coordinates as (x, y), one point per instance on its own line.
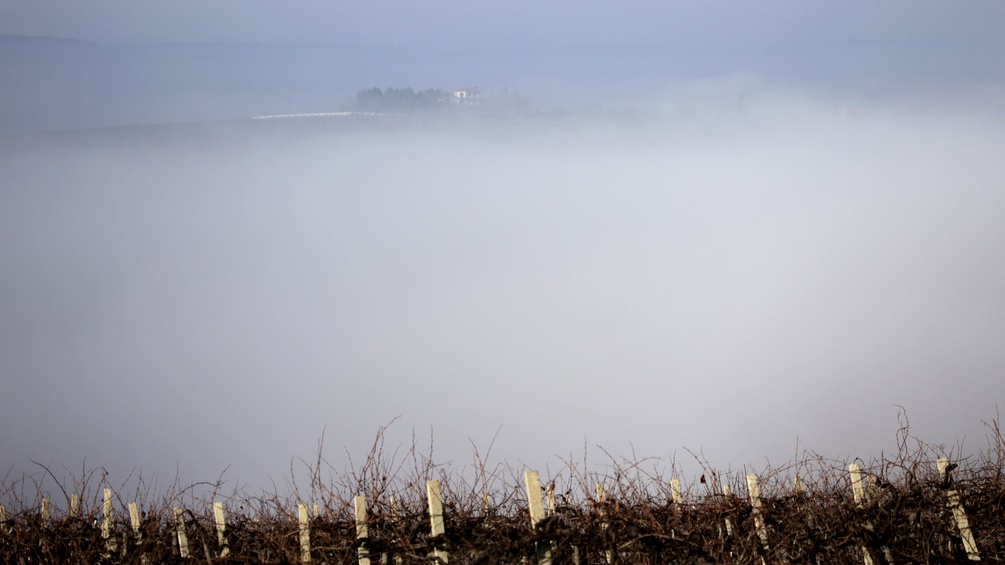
(506, 23)
(568, 57)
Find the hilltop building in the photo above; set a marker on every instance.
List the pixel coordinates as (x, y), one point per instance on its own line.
(467, 96)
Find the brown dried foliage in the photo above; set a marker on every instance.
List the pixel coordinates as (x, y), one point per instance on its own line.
(904, 516)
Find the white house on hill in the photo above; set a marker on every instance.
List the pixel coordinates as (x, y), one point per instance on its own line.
(468, 96)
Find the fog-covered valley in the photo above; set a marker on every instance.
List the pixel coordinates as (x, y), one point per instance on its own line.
(745, 282)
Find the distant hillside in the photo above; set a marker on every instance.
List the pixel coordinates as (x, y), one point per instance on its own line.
(51, 83)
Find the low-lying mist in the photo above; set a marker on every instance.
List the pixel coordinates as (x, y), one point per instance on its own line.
(775, 274)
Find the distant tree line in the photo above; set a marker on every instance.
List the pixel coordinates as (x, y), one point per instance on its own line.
(406, 100)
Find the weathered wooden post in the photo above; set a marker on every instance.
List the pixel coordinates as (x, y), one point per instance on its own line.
(305, 533)
(602, 505)
(137, 528)
(134, 521)
(728, 493)
(532, 481)
(959, 514)
(108, 523)
(398, 559)
(800, 491)
(45, 516)
(675, 494)
(754, 492)
(862, 489)
(438, 529)
(221, 529)
(75, 505)
(678, 502)
(180, 533)
(363, 551)
(858, 493)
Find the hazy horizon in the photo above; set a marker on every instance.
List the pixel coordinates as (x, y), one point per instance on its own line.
(52, 83)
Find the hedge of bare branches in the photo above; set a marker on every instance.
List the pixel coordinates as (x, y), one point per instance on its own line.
(902, 516)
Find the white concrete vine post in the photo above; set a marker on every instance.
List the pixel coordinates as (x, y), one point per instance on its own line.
(134, 522)
(221, 529)
(728, 493)
(532, 481)
(108, 522)
(137, 527)
(754, 491)
(862, 494)
(959, 514)
(858, 493)
(601, 503)
(436, 519)
(362, 533)
(305, 533)
(179, 520)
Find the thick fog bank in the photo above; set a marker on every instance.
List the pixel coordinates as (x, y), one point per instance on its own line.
(740, 283)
